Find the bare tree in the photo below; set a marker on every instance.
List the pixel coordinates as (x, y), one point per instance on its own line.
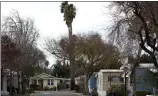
(139, 21)
(90, 51)
(95, 54)
(59, 48)
(24, 34)
(9, 53)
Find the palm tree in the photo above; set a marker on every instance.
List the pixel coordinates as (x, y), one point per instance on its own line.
(69, 12)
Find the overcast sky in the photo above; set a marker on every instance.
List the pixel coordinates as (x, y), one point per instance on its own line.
(48, 19)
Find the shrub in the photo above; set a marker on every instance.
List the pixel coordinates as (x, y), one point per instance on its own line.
(54, 88)
(41, 89)
(77, 89)
(31, 90)
(116, 89)
(34, 86)
(46, 88)
(94, 92)
(142, 93)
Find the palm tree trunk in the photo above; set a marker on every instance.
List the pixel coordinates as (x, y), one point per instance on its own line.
(71, 55)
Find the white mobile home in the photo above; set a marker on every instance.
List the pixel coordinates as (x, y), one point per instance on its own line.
(106, 78)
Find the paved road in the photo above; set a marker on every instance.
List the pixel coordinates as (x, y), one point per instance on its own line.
(55, 93)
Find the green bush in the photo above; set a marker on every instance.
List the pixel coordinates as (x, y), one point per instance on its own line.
(46, 88)
(119, 89)
(77, 88)
(54, 88)
(142, 93)
(30, 90)
(94, 92)
(34, 86)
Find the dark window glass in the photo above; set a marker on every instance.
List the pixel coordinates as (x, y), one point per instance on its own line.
(52, 82)
(48, 82)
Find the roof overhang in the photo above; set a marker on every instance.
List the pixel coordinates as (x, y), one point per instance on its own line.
(47, 76)
(111, 70)
(42, 76)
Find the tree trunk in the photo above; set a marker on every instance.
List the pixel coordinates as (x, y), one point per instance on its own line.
(18, 74)
(10, 79)
(134, 71)
(23, 81)
(71, 55)
(2, 75)
(86, 84)
(134, 81)
(1, 82)
(18, 82)
(11, 91)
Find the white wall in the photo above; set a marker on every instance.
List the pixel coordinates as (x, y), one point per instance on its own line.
(100, 84)
(45, 82)
(56, 82)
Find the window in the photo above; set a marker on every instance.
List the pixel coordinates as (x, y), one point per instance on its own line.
(52, 82)
(49, 82)
(114, 79)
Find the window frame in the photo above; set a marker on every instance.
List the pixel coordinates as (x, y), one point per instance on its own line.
(114, 79)
(52, 82)
(48, 82)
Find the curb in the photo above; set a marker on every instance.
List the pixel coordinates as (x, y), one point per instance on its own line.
(79, 94)
(32, 94)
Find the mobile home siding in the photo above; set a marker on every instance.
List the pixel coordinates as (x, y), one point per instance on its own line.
(144, 80)
(106, 83)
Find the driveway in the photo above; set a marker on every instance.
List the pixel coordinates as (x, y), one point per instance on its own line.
(55, 93)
